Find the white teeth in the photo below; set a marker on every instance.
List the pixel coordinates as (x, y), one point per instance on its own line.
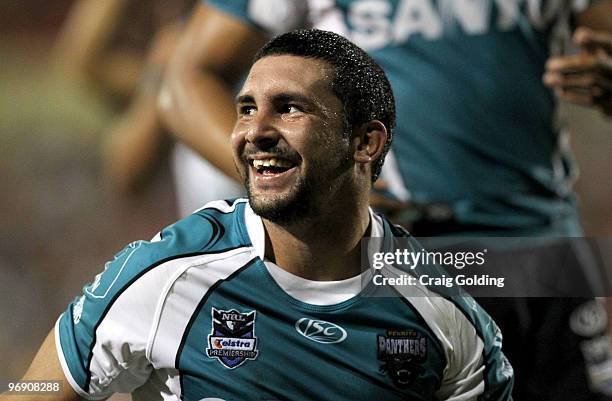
(283, 163)
(272, 162)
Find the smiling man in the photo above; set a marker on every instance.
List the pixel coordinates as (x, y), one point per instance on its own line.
(286, 117)
(262, 299)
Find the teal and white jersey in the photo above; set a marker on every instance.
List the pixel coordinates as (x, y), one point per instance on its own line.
(476, 127)
(199, 314)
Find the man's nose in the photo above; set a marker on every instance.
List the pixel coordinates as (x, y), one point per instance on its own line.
(262, 131)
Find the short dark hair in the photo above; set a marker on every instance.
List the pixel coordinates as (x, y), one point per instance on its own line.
(359, 82)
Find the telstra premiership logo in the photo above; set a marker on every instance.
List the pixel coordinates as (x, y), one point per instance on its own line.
(320, 331)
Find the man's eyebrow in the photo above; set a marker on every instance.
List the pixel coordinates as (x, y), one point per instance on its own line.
(287, 97)
(282, 97)
(244, 99)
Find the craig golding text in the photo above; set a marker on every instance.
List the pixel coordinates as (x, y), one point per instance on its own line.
(483, 280)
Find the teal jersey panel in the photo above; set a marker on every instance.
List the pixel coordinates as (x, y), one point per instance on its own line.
(475, 126)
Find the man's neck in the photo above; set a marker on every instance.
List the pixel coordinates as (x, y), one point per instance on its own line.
(326, 248)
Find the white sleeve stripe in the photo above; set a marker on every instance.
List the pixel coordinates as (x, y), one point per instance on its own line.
(135, 281)
(413, 294)
(222, 206)
(171, 282)
(60, 354)
(182, 298)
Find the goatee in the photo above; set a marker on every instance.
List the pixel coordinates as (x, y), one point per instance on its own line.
(285, 209)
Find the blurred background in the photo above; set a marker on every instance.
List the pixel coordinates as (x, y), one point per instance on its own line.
(59, 223)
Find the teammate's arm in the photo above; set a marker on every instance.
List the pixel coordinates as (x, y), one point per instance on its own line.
(82, 48)
(135, 143)
(46, 367)
(586, 78)
(196, 101)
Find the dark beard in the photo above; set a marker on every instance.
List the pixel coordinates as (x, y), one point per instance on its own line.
(286, 210)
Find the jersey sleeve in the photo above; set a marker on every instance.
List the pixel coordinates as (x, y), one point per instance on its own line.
(476, 369)
(105, 336)
(272, 16)
(102, 337)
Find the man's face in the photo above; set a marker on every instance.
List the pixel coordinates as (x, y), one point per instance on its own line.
(288, 143)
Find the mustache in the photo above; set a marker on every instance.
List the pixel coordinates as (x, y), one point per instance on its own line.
(280, 152)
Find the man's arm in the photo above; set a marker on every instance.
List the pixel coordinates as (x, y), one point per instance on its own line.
(136, 143)
(81, 49)
(196, 101)
(586, 78)
(46, 366)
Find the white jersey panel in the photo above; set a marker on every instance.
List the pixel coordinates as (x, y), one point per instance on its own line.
(163, 385)
(183, 296)
(119, 362)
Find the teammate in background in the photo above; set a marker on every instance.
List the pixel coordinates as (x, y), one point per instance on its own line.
(121, 47)
(219, 305)
(477, 131)
(105, 42)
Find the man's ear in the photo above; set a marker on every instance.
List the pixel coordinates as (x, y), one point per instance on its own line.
(369, 141)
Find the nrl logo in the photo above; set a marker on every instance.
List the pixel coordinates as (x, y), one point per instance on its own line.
(232, 339)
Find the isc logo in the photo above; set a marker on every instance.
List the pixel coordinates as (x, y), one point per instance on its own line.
(320, 331)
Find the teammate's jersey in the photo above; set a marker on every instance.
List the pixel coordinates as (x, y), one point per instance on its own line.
(199, 314)
(475, 125)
